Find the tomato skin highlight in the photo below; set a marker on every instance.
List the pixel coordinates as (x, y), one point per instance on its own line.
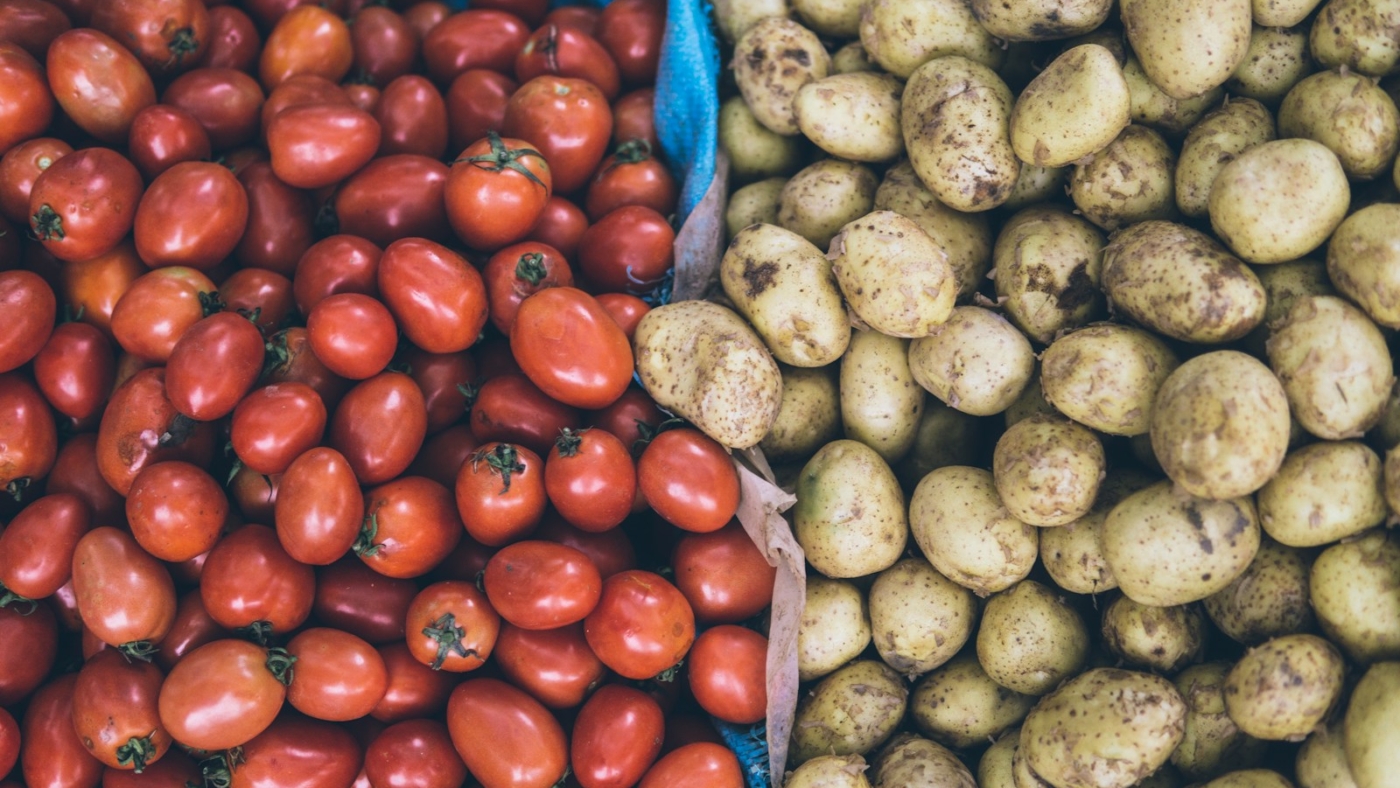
(617, 735)
(727, 671)
(590, 479)
(555, 666)
(84, 204)
(690, 480)
(221, 695)
(36, 550)
(28, 309)
(723, 575)
(124, 594)
(437, 298)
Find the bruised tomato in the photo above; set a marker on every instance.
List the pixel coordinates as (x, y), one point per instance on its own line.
(115, 711)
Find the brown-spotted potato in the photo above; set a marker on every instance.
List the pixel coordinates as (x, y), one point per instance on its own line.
(1322, 760)
(965, 237)
(1149, 106)
(831, 18)
(851, 712)
(918, 617)
(1213, 744)
(735, 17)
(994, 769)
(958, 705)
(881, 403)
(850, 517)
(964, 530)
(1106, 376)
(754, 151)
(1048, 469)
(824, 197)
(1132, 180)
(852, 116)
(1164, 639)
(809, 416)
(911, 762)
(756, 203)
(1324, 492)
(976, 362)
(1282, 13)
(1277, 60)
(1036, 185)
(1074, 108)
(773, 59)
(1073, 554)
(1281, 690)
(1279, 201)
(851, 59)
(1047, 264)
(1030, 639)
(1363, 35)
(1371, 737)
(1350, 114)
(830, 771)
(1363, 261)
(834, 629)
(1268, 599)
(1356, 598)
(901, 36)
(896, 279)
(1040, 20)
(1188, 47)
(1214, 142)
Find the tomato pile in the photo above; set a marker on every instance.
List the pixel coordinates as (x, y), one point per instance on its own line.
(323, 463)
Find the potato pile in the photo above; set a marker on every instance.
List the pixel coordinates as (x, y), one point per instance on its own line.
(1069, 324)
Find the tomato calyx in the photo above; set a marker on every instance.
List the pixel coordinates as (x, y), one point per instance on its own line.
(141, 650)
(648, 433)
(217, 770)
(47, 224)
(365, 546)
(280, 663)
(569, 441)
(210, 302)
(449, 639)
(470, 392)
(633, 151)
(502, 158)
(669, 674)
(9, 598)
(530, 268)
(564, 778)
(327, 221)
(180, 429)
(182, 43)
(503, 460)
(137, 752)
(18, 487)
(259, 632)
(276, 354)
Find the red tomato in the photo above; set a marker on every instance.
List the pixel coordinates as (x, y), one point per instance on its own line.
(115, 714)
(496, 190)
(631, 176)
(51, 755)
(308, 39)
(98, 82)
(519, 271)
(192, 628)
(617, 735)
(176, 510)
(339, 677)
(590, 479)
(28, 435)
(9, 743)
(555, 666)
(302, 90)
(476, 105)
(632, 30)
(631, 418)
(626, 310)
(290, 360)
(84, 203)
(567, 120)
(568, 52)
(93, 287)
(384, 43)
(570, 347)
(366, 97)
(28, 645)
(532, 11)
(23, 163)
(723, 575)
(262, 296)
(226, 102)
(224, 693)
(542, 585)
(27, 310)
(254, 494)
(125, 596)
(296, 752)
(338, 264)
(162, 136)
(445, 379)
(319, 509)
(75, 471)
(141, 427)
(443, 454)
(275, 424)
(611, 551)
(394, 197)
(249, 582)
(352, 334)
(159, 307)
(415, 690)
(352, 597)
(233, 40)
(36, 550)
(634, 118)
(683, 729)
(452, 627)
(167, 36)
(214, 365)
(414, 754)
(561, 225)
(641, 626)
(413, 115)
(727, 671)
(411, 526)
(511, 409)
(192, 215)
(438, 299)
(690, 480)
(280, 222)
(500, 493)
(505, 737)
(379, 426)
(31, 24)
(172, 771)
(579, 17)
(316, 145)
(699, 765)
(473, 39)
(424, 15)
(629, 250)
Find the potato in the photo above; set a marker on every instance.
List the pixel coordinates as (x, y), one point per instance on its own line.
(1164, 639)
(849, 517)
(702, 362)
(773, 59)
(976, 362)
(1322, 493)
(1188, 47)
(1047, 470)
(1267, 600)
(1211, 144)
(1022, 775)
(943, 437)
(1285, 283)
(818, 201)
(1106, 376)
(754, 151)
(1220, 425)
(964, 530)
(955, 121)
(911, 762)
(852, 116)
(902, 36)
(830, 18)
(1030, 639)
(851, 712)
(965, 237)
(1371, 736)
(1105, 728)
(851, 59)
(1281, 690)
(1276, 60)
(1282, 13)
(1036, 185)
(1279, 201)
(1167, 547)
(1129, 181)
(1348, 113)
(895, 278)
(959, 706)
(1040, 20)
(881, 403)
(835, 627)
(1363, 261)
(830, 771)
(809, 416)
(1213, 743)
(1391, 471)
(994, 769)
(756, 203)
(1047, 269)
(1355, 591)
(1074, 108)
(1322, 760)
(1149, 106)
(920, 618)
(735, 17)
(1363, 35)
(1250, 778)
(1031, 403)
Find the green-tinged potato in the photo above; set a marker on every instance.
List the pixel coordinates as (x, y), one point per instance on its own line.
(851, 59)
(1030, 639)
(822, 198)
(901, 36)
(1048, 470)
(1213, 744)
(773, 59)
(1276, 61)
(1129, 181)
(1105, 728)
(1322, 493)
(911, 762)
(783, 285)
(852, 116)
(1371, 737)
(1334, 366)
(1164, 639)
(1022, 775)
(735, 17)
(896, 279)
(958, 705)
(703, 363)
(1220, 425)
(965, 237)
(1285, 283)
(1074, 108)
(1188, 47)
(881, 403)
(831, 18)
(964, 530)
(851, 712)
(1149, 106)
(850, 517)
(994, 769)
(1179, 282)
(756, 203)
(1036, 185)
(1281, 690)
(976, 362)
(1355, 590)
(1047, 269)
(809, 416)
(1167, 547)
(835, 627)
(1322, 760)
(944, 437)
(1279, 201)
(919, 618)
(1164, 777)
(1350, 114)
(1363, 261)
(955, 120)
(1106, 376)
(1214, 142)
(1250, 778)
(830, 771)
(1040, 20)
(1269, 599)
(754, 151)
(1363, 35)
(1282, 13)
(1032, 402)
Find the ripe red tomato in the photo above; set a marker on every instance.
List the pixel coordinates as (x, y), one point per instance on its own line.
(280, 222)
(476, 105)
(296, 752)
(617, 735)
(339, 677)
(233, 40)
(262, 296)
(28, 435)
(28, 645)
(36, 550)
(634, 118)
(249, 582)
(166, 36)
(9, 743)
(290, 360)
(276, 424)
(23, 163)
(413, 115)
(542, 585)
(225, 101)
(176, 510)
(631, 31)
(394, 197)
(443, 455)
(641, 626)
(93, 287)
(162, 136)
(631, 176)
(446, 380)
(157, 309)
(415, 690)
(115, 713)
(32, 24)
(224, 693)
(723, 575)
(567, 120)
(98, 82)
(379, 426)
(561, 225)
(568, 52)
(84, 203)
(352, 597)
(611, 551)
(414, 754)
(626, 310)
(496, 190)
(316, 145)
(473, 39)
(319, 509)
(76, 370)
(410, 527)
(555, 666)
(193, 215)
(75, 471)
(689, 479)
(308, 39)
(385, 44)
(353, 335)
(125, 596)
(629, 250)
(27, 309)
(51, 755)
(141, 427)
(254, 495)
(500, 493)
(727, 671)
(438, 299)
(699, 765)
(505, 737)
(590, 479)
(519, 271)
(569, 346)
(511, 409)
(579, 17)
(213, 366)
(451, 626)
(192, 628)
(28, 106)
(302, 90)
(338, 264)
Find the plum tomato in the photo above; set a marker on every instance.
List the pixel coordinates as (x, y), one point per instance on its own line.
(541, 585)
(590, 479)
(689, 479)
(519, 271)
(727, 672)
(569, 346)
(500, 493)
(642, 625)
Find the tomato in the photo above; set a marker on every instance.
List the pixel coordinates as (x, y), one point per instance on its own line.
(634, 118)
(353, 335)
(496, 190)
(308, 39)
(214, 365)
(317, 145)
(262, 296)
(162, 136)
(93, 287)
(339, 677)
(31, 24)
(476, 105)
(225, 101)
(699, 765)
(617, 735)
(250, 582)
(415, 690)
(727, 671)
(568, 52)
(452, 627)
(281, 222)
(319, 508)
(159, 307)
(166, 36)
(141, 427)
(352, 597)
(338, 264)
(443, 454)
(445, 380)
(641, 626)
(233, 40)
(568, 120)
(532, 11)
(510, 408)
(28, 645)
(437, 297)
(542, 585)
(301, 90)
(611, 551)
(590, 479)
(254, 494)
(723, 575)
(36, 551)
(473, 39)
(9, 743)
(413, 115)
(500, 493)
(176, 510)
(410, 527)
(193, 215)
(379, 426)
(519, 271)
(224, 693)
(28, 435)
(690, 480)
(51, 755)
(274, 425)
(626, 310)
(629, 250)
(98, 82)
(115, 714)
(290, 360)
(295, 752)
(570, 347)
(505, 737)
(555, 666)
(27, 309)
(125, 596)
(414, 754)
(394, 197)
(193, 628)
(75, 471)
(631, 176)
(385, 44)
(19, 168)
(683, 729)
(561, 225)
(631, 31)
(84, 203)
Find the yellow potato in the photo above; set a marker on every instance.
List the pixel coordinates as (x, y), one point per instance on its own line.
(1350, 114)
(773, 59)
(852, 116)
(1040, 20)
(976, 362)
(901, 36)
(1129, 181)
(1076, 107)
(896, 279)
(1214, 142)
(1279, 201)
(1188, 47)
(1047, 265)
(1363, 35)
(1277, 60)
(965, 237)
